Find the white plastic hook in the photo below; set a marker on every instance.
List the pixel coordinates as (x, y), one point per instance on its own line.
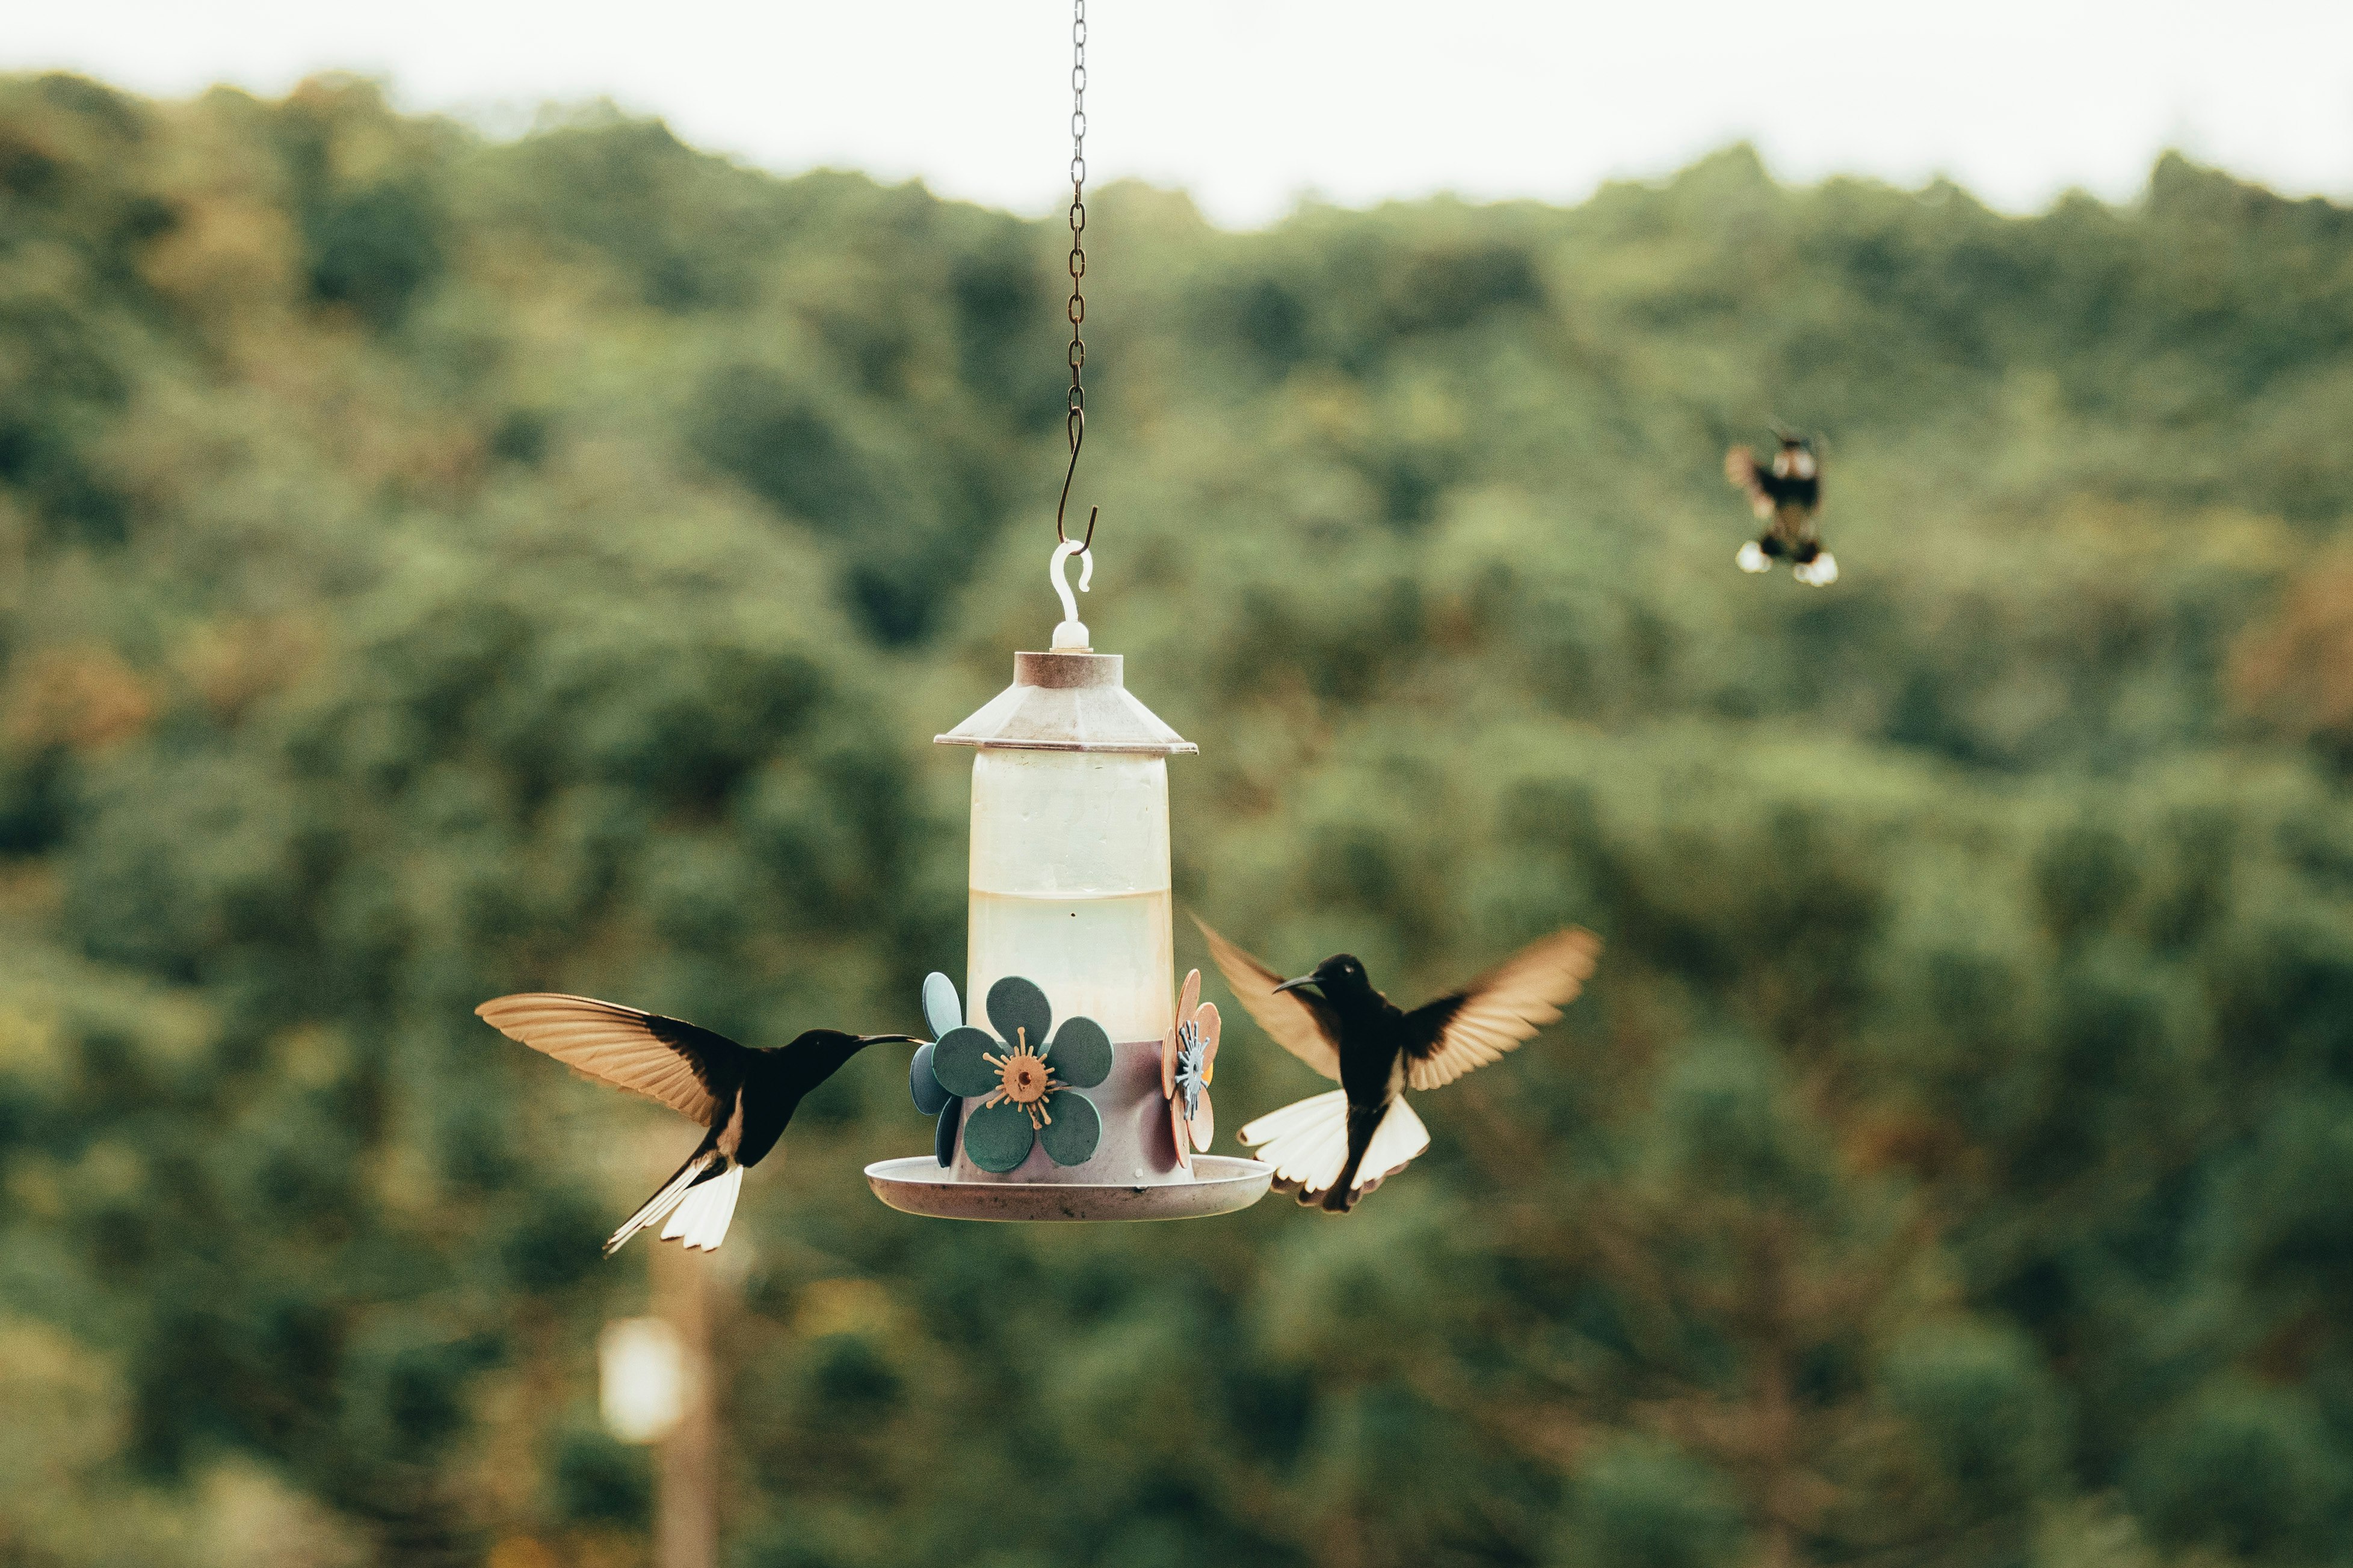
(1072, 633)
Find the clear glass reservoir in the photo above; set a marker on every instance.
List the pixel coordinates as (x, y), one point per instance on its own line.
(1070, 884)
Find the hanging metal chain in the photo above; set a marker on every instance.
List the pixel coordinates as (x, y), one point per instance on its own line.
(1074, 423)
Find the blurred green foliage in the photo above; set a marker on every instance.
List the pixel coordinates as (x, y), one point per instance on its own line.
(432, 567)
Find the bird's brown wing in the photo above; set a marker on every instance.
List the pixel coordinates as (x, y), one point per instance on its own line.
(1495, 1013)
(1303, 1025)
(685, 1068)
(1740, 468)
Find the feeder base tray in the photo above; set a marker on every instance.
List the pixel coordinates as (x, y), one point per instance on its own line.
(918, 1185)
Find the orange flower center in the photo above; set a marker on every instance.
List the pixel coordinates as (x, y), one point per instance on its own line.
(1024, 1074)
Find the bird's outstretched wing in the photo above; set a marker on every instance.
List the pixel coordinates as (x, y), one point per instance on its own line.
(1755, 483)
(684, 1068)
(1476, 1024)
(1303, 1025)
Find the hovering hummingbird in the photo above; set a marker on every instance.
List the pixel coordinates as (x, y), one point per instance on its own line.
(1335, 1147)
(1785, 494)
(744, 1096)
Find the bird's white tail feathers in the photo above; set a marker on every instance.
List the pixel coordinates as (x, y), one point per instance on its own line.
(702, 1217)
(1307, 1143)
(1397, 1142)
(673, 1191)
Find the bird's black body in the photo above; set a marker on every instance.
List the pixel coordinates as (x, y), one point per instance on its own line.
(1336, 1021)
(746, 1097)
(1792, 481)
(764, 1088)
(1373, 1037)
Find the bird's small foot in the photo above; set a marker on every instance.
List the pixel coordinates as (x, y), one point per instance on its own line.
(1821, 571)
(1753, 559)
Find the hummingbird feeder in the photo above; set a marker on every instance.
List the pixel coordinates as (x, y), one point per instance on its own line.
(1060, 1108)
(1054, 1092)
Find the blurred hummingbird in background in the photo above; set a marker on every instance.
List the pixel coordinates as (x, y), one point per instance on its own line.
(744, 1096)
(1785, 493)
(1334, 1148)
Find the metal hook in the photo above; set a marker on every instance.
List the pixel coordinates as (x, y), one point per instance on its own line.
(1073, 632)
(1077, 431)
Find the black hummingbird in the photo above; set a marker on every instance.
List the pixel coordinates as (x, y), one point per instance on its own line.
(1336, 1147)
(744, 1096)
(1785, 493)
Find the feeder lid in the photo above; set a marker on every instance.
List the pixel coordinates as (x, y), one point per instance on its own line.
(1068, 701)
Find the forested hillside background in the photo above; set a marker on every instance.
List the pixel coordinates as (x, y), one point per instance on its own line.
(432, 567)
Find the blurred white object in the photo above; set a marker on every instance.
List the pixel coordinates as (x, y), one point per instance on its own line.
(1821, 572)
(641, 1363)
(1752, 559)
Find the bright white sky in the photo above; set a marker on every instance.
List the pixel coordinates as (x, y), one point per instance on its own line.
(1249, 103)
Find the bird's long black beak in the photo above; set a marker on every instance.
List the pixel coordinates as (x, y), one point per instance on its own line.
(891, 1040)
(1295, 985)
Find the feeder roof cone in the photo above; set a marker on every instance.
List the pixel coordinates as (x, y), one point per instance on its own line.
(1067, 700)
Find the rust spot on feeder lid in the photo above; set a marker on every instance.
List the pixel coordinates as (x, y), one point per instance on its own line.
(1068, 701)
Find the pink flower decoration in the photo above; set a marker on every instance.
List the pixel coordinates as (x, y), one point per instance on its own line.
(1188, 1059)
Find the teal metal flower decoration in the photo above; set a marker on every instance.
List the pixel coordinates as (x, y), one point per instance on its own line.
(1025, 1077)
(945, 1015)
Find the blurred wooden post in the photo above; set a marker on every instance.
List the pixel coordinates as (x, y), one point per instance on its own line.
(686, 1495)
